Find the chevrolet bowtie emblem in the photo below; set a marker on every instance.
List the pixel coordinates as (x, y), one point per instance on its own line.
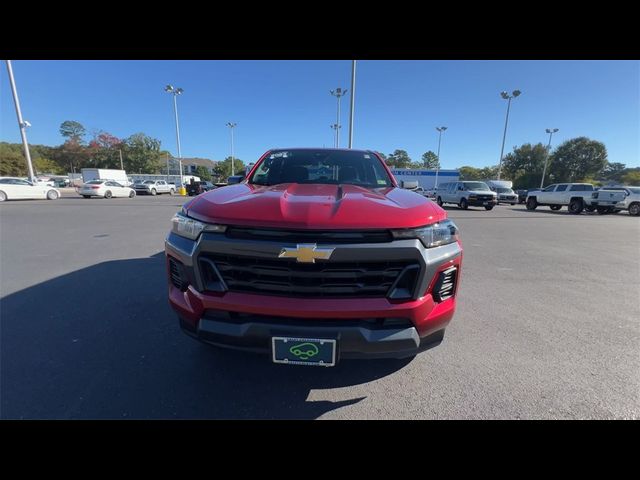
(306, 253)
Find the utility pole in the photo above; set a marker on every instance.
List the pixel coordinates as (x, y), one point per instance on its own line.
(21, 123)
(335, 126)
(440, 130)
(231, 126)
(338, 93)
(176, 92)
(506, 96)
(121, 163)
(550, 131)
(353, 101)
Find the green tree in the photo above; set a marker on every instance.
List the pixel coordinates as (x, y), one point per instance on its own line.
(632, 177)
(141, 154)
(578, 158)
(222, 170)
(470, 173)
(430, 160)
(399, 159)
(72, 130)
(613, 172)
(524, 165)
(12, 161)
(44, 165)
(203, 173)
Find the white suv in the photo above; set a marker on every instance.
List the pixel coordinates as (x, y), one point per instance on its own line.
(466, 194)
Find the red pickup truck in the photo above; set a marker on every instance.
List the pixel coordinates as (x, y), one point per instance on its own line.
(316, 256)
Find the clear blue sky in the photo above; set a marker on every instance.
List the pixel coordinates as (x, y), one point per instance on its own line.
(287, 103)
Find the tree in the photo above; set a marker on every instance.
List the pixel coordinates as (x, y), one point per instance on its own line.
(12, 161)
(203, 173)
(222, 170)
(72, 129)
(631, 178)
(613, 172)
(430, 160)
(104, 152)
(44, 165)
(141, 154)
(578, 158)
(399, 159)
(524, 166)
(469, 173)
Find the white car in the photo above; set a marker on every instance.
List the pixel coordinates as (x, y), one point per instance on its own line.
(105, 189)
(12, 188)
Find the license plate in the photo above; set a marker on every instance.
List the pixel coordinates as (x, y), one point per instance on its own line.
(319, 352)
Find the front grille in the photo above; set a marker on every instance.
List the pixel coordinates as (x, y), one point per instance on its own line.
(286, 277)
(445, 286)
(310, 236)
(484, 197)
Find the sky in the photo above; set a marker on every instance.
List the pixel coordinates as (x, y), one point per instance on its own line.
(287, 103)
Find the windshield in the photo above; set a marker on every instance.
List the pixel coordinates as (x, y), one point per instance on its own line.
(322, 166)
(149, 182)
(476, 186)
(635, 190)
(95, 182)
(504, 190)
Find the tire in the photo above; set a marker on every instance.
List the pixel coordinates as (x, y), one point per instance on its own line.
(590, 208)
(488, 207)
(52, 195)
(513, 204)
(153, 191)
(555, 207)
(86, 196)
(172, 192)
(634, 209)
(603, 210)
(108, 194)
(576, 206)
(132, 194)
(3, 196)
(464, 204)
(439, 202)
(532, 203)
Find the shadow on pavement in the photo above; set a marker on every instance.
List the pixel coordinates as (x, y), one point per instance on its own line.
(102, 342)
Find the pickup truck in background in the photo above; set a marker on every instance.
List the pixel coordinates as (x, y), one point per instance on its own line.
(576, 196)
(631, 201)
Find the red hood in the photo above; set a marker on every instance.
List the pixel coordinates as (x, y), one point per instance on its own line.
(316, 206)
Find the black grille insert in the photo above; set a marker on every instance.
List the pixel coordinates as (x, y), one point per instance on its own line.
(310, 236)
(177, 275)
(289, 278)
(445, 286)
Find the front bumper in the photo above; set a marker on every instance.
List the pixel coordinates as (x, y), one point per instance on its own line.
(364, 327)
(475, 202)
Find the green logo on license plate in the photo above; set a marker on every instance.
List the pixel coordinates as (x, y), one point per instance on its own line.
(304, 351)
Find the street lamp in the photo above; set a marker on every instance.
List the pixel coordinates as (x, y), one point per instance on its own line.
(231, 126)
(175, 92)
(506, 96)
(338, 92)
(550, 131)
(353, 101)
(23, 124)
(335, 126)
(440, 130)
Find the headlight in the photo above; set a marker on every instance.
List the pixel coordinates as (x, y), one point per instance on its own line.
(190, 228)
(434, 235)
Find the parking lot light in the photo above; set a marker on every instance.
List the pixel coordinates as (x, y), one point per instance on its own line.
(508, 97)
(440, 130)
(550, 131)
(338, 93)
(175, 92)
(231, 126)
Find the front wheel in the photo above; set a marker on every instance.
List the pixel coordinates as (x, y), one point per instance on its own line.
(464, 204)
(590, 208)
(555, 207)
(86, 196)
(439, 202)
(132, 194)
(576, 206)
(153, 191)
(532, 204)
(172, 192)
(603, 210)
(488, 207)
(52, 195)
(108, 194)
(3, 196)
(634, 209)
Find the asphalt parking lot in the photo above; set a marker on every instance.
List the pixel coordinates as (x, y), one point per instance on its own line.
(548, 326)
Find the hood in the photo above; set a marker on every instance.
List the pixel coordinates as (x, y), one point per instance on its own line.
(315, 206)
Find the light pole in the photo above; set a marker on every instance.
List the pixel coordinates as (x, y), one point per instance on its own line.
(335, 126)
(353, 101)
(23, 124)
(231, 126)
(338, 93)
(175, 92)
(440, 130)
(506, 96)
(550, 131)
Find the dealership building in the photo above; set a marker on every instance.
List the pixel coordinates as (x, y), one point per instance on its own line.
(425, 178)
